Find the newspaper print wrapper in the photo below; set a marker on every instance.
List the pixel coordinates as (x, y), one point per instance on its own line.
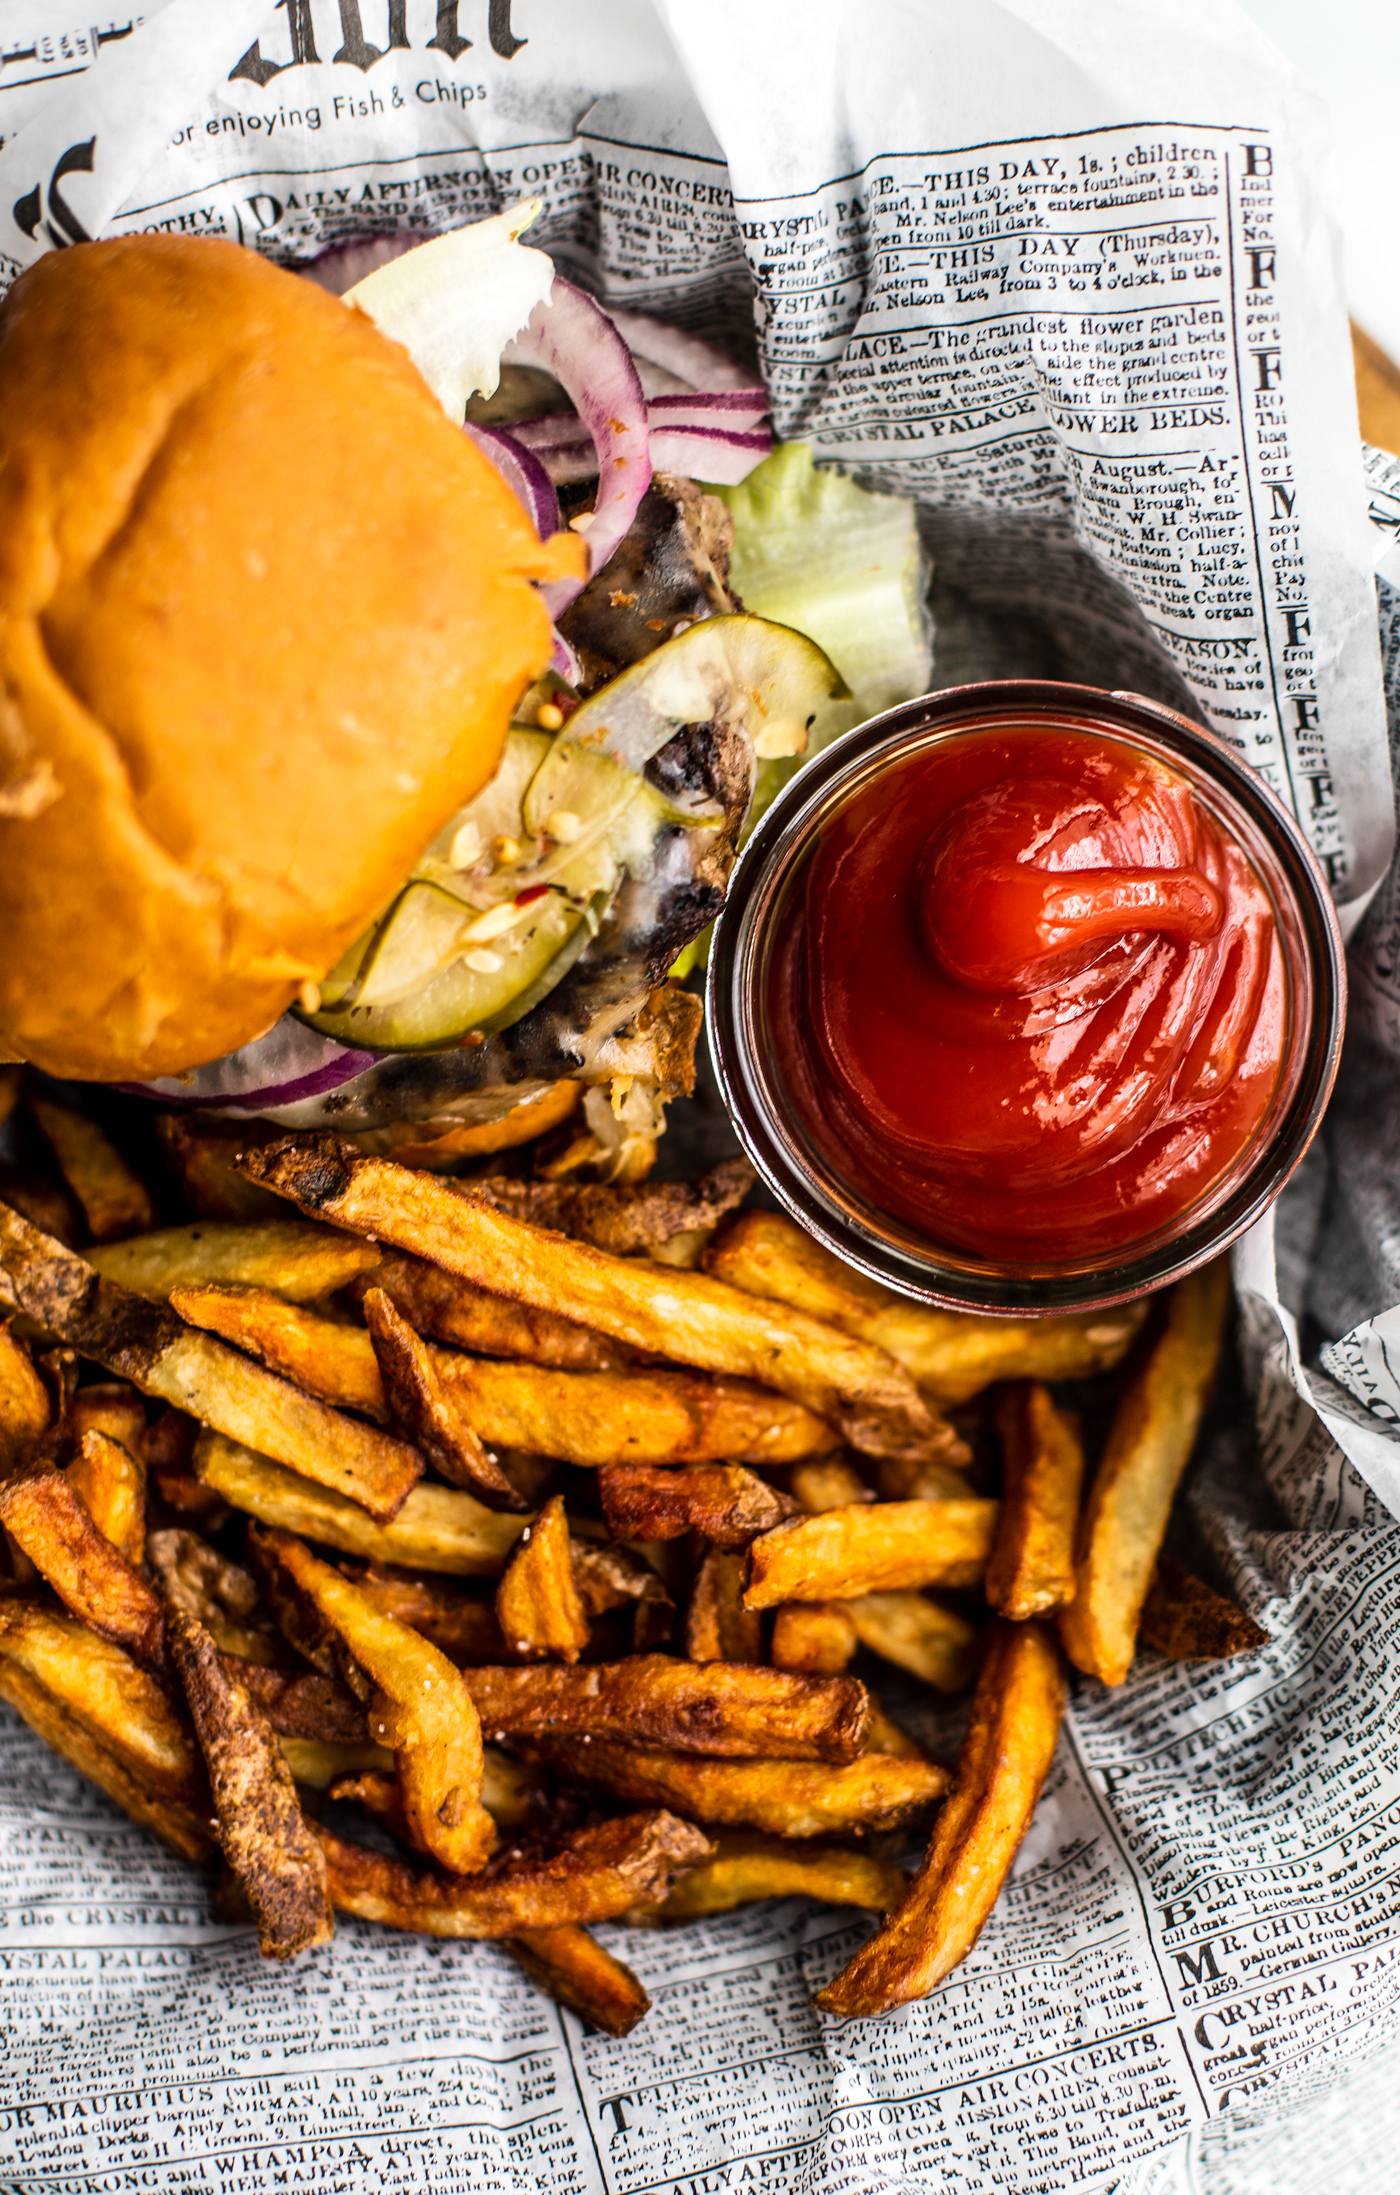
(1064, 274)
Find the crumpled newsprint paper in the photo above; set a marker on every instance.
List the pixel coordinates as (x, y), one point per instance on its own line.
(1063, 271)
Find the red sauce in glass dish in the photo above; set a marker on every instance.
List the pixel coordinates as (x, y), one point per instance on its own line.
(1032, 1002)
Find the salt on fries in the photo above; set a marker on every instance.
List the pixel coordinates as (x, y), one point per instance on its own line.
(532, 1507)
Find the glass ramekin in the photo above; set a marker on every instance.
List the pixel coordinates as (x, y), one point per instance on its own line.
(803, 1178)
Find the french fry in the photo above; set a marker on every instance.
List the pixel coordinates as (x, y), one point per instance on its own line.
(508, 1787)
(1004, 1761)
(572, 1967)
(1185, 1620)
(200, 1153)
(148, 1344)
(183, 1829)
(421, 1710)
(833, 1483)
(893, 1546)
(45, 1517)
(537, 1602)
(815, 1637)
(322, 1356)
(684, 1316)
(438, 1528)
(724, 1503)
(731, 1710)
(952, 1354)
(24, 1400)
(112, 1407)
(609, 1577)
(595, 1875)
(898, 1479)
(426, 1409)
(718, 1627)
(1031, 1570)
(302, 1703)
(448, 1308)
(103, 1689)
(114, 1199)
(786, 1798)
(264, 1839)
(747, 1867)
(321, 1762)
(110, 1482)
(291, 1258)
(45, 1204)
(1149, 1444)
(463, 1629)
(221, 1594)
(623, 1219)
(918, 1635)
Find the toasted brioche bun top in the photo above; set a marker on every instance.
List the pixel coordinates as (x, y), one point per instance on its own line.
(264, 615)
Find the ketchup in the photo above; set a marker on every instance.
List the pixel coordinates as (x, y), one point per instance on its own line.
(1032, 1002)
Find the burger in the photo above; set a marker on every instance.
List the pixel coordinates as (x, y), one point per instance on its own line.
(309, 805)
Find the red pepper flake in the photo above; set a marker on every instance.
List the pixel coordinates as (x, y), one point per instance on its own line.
(531, 893)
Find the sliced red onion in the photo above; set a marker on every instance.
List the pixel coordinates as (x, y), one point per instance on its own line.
(289, 1063)
(564, 663)
(718, 438)
(728, 408)
(708, 453)
(583, 350)
(689, 357)
(522, 472)
(341, 266)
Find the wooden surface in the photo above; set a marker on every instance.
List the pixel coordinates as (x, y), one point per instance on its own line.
(1377, 392)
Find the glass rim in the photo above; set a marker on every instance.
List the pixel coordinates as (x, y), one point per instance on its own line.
(887, 1250)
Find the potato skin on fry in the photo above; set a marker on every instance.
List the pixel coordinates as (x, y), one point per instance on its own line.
(572, 1967)
(1149, 1445)
(595, 1875)
(889, 1546)
(1031, 1570)
(426, 1410)
(448, 1308)
(1184, 1620)
(728, 1709)
(718, 1627)
(787, 1798)
(722, 1502)
(264, 1838)
(1004, 1761)
(44, 1516)
(747, 1866)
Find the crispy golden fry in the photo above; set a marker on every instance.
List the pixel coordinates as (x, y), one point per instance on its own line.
(786, 1798)
(684, 1316)
(421, 1710)
(438, 1528)
(572, 1967)
(537, 1602)
(428, 1411)
(114, 1199)
(463, 1629)
(448, 1308)
(833, 1484)
(112, 1407)
(324, 1357)
(221, 1594)
(747, 1867)
(418, 1143)
(609, 1577)
(1185, 1620)
(148, 1345)
(1004, 1761)
(634, 1416)
(917, 1635)
(45, 1517)
(623, 1220)
(289, 1257)
(718, 1627)
(110, 1482)
(265, 1841)
(892, 1546)
(508, 1786)
(102, 1688)
(185, 1831)
(731, 1710)
(321, 1762)
(816, 1637)
(24, 1401)
(898, 1479)
(952, 1354)
(1149, 1444)
(721, 1501)
(302, 1703)
(1031, 1570)
(595, 1875)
